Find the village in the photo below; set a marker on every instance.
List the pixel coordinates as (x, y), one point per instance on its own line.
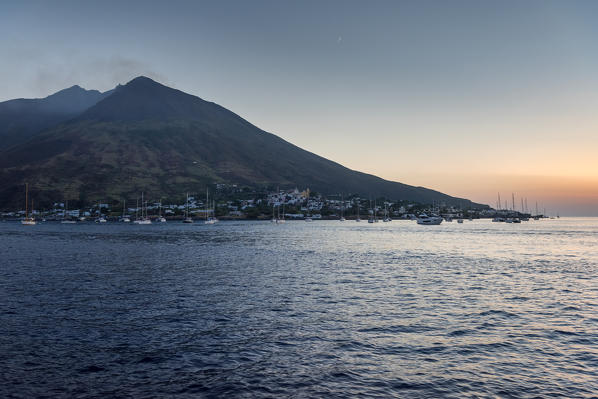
(233, 203)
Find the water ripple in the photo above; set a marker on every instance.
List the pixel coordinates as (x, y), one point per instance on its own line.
(325, 309)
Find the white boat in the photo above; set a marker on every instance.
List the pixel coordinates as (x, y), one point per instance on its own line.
(160, 218)
(211, 213)
(308, 219)
(459, 220)
(429, 220)
(144, 218)
(124, 218)
(386, 214)
(371, 217)
(64, 218)
(28, 221)
(273, 220)
(100, 218)
(187, 218)
(281, 219)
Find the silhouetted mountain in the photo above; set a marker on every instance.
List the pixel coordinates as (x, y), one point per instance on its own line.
(22, 118)
(148, 137)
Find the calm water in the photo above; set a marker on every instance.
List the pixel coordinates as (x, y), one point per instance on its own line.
(322, 309)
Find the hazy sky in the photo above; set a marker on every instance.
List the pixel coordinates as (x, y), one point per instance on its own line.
(470, 98)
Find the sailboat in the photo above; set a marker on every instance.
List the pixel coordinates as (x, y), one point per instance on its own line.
(357, 219)
(28, 221)
(537, 216)
(280, 217)
(342, 219)
(100, 219)
(124, 218)
(371, 218)
(498, 218)
(212, 219)
(386, 216)
(161, 218)
(276, 218)
(308, 217)
(144, 219)
(66, 218)
(187, 218)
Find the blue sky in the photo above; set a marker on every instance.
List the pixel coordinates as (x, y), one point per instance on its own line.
(468, 97)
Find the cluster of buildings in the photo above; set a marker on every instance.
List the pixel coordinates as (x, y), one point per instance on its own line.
(291, 203)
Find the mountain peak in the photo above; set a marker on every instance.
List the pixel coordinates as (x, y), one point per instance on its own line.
(145, 99)
(141, 79)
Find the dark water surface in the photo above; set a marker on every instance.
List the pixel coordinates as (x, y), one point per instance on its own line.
(322, 309)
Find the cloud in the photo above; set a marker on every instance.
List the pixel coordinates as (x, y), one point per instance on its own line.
(118, 69)
(98, 73)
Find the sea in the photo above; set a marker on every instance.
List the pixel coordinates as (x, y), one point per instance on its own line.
(326, 309)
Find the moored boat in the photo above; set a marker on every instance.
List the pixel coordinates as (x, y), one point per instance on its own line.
(424, 219)
(28, 221)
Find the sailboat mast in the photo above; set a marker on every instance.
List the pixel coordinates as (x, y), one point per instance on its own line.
(26, 200)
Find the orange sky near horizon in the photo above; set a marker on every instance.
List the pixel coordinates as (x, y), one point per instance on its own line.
(565, 195)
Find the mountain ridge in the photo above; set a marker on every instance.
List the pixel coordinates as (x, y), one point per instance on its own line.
(148, 137)
(23, 118)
